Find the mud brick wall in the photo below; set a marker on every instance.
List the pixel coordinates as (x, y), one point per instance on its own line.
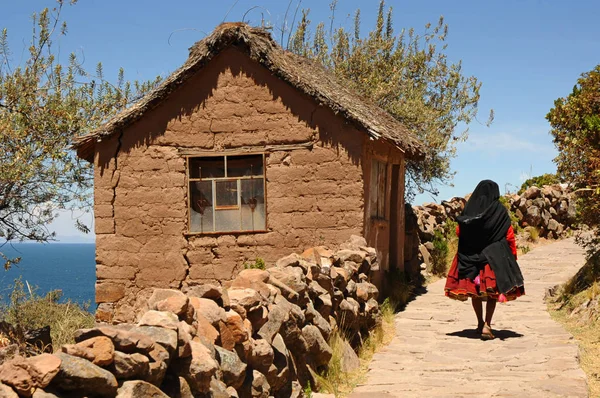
(315, 195)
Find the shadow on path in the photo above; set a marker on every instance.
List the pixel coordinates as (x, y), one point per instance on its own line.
(502, 334)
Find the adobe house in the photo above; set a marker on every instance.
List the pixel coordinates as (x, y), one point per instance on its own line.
(246, 151)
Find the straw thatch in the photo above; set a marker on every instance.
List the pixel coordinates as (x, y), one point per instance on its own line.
(299, 72)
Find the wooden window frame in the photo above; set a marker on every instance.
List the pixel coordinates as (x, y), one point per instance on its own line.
(214, 180)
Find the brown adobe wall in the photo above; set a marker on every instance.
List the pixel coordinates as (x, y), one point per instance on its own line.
(314, 196)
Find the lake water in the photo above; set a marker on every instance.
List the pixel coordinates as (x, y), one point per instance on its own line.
(70, 267)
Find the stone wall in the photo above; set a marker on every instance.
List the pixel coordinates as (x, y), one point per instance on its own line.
(315, 170)
(551, 210)
(264, 335)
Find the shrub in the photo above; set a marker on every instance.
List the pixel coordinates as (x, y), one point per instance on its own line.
(259, 263)
(439, 254)
(534, 234)
(27, 310)
(539, 181)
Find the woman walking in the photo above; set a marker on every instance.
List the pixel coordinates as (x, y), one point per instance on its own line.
(485, 267)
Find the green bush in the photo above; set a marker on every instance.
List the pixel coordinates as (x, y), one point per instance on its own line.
(439, 254)
(514, 220)
(539, 181)
(259, 263)
(27, 310)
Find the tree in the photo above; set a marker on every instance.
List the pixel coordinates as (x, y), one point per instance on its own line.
(409, 75)
(44, 104)
(575, 122)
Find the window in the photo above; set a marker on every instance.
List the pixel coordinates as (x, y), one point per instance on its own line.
(227, 193)
(378, 189)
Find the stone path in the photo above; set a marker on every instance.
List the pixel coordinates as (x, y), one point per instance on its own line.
(436, 353)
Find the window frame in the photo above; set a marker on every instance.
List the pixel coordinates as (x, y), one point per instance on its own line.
(214, 180)
(375, 199)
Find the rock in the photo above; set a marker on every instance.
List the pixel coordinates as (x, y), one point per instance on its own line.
(355, 256)
(261, 356)
(185, 334)
(324, 305)
(350, 361)
(139, 389)
(277, 315)
(198, 369)
(218, 389)
(39, 338)
(319, 350)
(257, 316)
(553, 225)
(366, 291)
(531, 193)
(232, 392)
(236, 326)
(43, 368)
(233, 369)
(127, 341)
(79, 375)
(175, 304)
(7, 392)
(293, 278)
(244, 297)
(256, 386)
(208, 291)
(206, 329)
(162, 294)
(351, 288)
(167, 320)
(8, 352)
(165, 337)
(425, 255)
(533, 216)
(99, 350)
(319, 255)
(354, 243)
(14, 373)
(293, 260)
(130, 366)
(208, 309)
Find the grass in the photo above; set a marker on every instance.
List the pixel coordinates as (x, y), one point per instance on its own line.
(335, 380)
(584, 287)
(27, 310)
(533, 234)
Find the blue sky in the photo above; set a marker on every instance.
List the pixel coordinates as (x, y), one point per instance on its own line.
(527, 53)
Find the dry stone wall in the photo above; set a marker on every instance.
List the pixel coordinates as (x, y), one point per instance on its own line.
(551, 210)
(263, 335)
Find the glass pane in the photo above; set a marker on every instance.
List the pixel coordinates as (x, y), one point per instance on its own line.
(244, 166)
(201, 212)
(227, 220)
(253, 205)
(211, 167)
(227, 194)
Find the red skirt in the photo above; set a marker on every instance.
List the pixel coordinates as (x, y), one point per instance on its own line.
(462, 289)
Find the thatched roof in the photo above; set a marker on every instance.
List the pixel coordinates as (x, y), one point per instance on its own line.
(301, 73)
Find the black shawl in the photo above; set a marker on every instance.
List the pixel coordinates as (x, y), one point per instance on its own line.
(483, 226)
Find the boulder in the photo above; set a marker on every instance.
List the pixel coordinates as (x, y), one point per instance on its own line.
(355, 256)
(165, 337)
(77, 374)
(161, 295)
(175, 304)
(14, 373)
(167, 320)
(198, 369)
(233, 369)
(206, 329)
(366, 291)
(256, 386)
(553, 225)
(293, 260)
(277, 315)
(293, 278)
(8, 352)
(320, 352)
(257, 316)
(218, 389)
(532, 193)
(426, 257)
(206, 290)
(7, 392)
(185, 334)
(130, 366)
(245, 298)
(99, 350)
(261, 355)
(208, 309)
(139, 389)
(235, 324)
(350, 361)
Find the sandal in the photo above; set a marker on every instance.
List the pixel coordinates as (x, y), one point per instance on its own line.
(486, 332)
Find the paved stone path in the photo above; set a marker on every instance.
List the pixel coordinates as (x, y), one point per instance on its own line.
(436, 353)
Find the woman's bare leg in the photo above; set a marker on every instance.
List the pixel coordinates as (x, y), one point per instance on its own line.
(478, 308)
(489, 310)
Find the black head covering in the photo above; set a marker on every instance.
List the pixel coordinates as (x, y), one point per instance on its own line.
(483, 226)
